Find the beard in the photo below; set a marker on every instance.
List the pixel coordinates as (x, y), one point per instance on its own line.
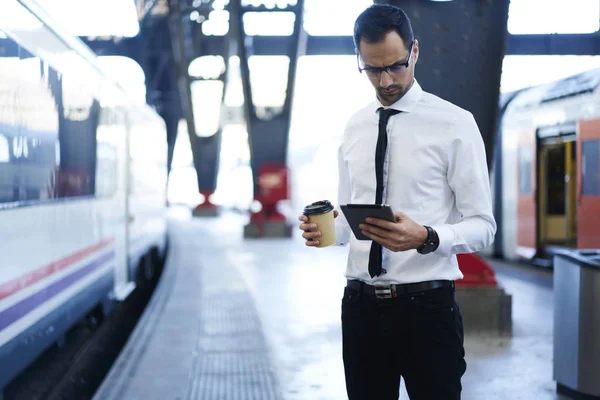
(391, 98)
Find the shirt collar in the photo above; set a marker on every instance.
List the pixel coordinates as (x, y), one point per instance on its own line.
(407, 102)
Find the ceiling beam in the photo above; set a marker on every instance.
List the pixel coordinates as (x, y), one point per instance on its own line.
(554, 44)
(546, 44)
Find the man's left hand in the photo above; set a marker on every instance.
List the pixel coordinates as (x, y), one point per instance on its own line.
(404, 234)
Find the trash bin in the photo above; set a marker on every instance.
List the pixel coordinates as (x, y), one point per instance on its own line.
(577, 322)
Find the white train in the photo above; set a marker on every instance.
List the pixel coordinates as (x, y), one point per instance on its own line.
(83, 181)
(547, 175)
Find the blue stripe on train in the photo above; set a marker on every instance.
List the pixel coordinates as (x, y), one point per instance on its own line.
(21, 351)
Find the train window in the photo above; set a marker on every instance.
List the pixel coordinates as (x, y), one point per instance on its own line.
(28, 126)
(5, 175)
(590, 166)
(4, 149)
(78, 122)
(48, 128)
(525, 170)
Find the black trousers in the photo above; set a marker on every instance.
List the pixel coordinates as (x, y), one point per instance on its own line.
(418, 337)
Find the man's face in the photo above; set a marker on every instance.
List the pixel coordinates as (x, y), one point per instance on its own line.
(391, 52)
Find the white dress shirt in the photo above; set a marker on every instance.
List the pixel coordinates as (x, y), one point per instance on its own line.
(435, 171)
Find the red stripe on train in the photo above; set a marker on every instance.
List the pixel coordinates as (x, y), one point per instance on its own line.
(11, 287)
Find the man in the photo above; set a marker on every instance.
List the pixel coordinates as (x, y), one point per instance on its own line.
(432, 171)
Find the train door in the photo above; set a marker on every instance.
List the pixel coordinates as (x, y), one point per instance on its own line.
(526, 195)
(557, 220)
(123, 285)
(588, 167)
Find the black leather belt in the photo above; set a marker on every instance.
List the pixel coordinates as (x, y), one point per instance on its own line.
(388, 291)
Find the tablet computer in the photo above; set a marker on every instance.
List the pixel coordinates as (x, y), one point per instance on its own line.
(357, 214)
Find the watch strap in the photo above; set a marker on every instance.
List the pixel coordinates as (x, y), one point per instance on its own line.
(432, 240)
(430, 234)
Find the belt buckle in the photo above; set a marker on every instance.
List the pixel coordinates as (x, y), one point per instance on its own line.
(385, 291)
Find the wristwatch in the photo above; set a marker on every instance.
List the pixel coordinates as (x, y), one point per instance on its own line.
(432, 242)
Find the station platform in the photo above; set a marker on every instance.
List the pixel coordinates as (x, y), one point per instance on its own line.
(238, 319)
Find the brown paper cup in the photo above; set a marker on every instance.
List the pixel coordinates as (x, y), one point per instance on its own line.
(321, 214)
(324, 224)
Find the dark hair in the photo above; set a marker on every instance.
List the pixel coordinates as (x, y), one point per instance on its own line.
(378, 20)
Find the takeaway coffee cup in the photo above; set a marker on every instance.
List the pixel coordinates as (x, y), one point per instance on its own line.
(321, 214)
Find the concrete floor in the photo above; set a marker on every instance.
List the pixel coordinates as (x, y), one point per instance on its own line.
(297, 292)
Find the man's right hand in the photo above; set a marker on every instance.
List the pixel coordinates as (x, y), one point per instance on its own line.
(311, 234)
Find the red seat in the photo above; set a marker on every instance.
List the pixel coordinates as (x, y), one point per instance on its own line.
(477, 272)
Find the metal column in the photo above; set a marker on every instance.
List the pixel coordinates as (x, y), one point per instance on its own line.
(205, 150)
(462, 46)
(268, 133)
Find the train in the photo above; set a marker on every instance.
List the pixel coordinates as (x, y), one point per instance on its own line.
(546, 173)
(83, 187)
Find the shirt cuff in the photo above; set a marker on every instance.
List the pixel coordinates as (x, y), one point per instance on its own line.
(446, 235)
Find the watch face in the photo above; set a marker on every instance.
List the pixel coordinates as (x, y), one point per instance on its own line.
(428, 248)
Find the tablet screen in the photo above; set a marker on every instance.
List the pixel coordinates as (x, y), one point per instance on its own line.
(357, 214)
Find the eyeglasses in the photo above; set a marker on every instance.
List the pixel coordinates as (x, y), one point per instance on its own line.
(394, 69)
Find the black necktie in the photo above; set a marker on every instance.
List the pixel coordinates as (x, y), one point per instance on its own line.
(375, 256)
